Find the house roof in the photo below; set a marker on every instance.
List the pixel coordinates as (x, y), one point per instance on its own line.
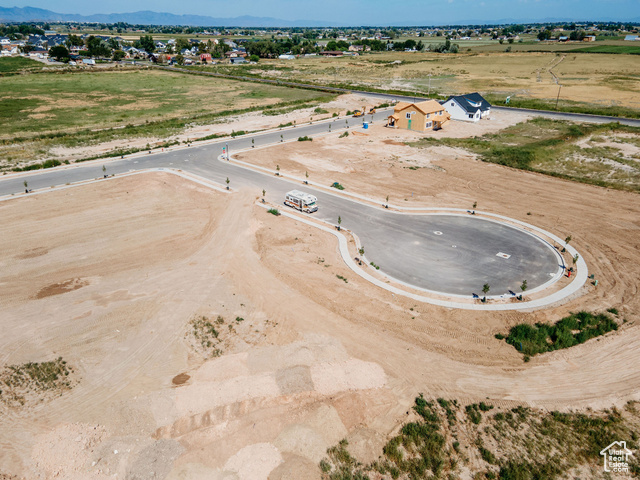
(428, 106)
(471, 103)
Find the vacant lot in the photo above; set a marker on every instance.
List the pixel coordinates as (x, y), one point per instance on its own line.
(597, 79)
(39, 112)
(606, 155)
(197, 351)
(36, 104)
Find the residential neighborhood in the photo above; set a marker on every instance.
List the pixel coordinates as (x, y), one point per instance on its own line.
(225, 45)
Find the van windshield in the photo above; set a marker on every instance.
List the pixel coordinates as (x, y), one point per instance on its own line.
(312, 204)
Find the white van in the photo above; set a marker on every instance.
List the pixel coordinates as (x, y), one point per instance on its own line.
(301, 201)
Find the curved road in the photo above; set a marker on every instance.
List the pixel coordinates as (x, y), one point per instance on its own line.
(450, 254)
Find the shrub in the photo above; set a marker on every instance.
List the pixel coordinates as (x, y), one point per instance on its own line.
(573, 330)
(487, 456)
(337, 185)
(274, 211)
(472, 412)
(305, 139)
(345, 134)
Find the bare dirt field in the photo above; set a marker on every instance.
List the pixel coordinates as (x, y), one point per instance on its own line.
(111, 277)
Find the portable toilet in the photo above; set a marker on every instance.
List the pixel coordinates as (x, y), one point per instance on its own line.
(365, 125)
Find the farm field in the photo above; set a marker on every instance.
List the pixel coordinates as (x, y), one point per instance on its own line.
(44, 112)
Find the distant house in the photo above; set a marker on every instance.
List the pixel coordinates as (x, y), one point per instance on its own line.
(589, 38)
(420, 117)
(205, 57)
(237, 60)
(471, 107)
(286, 56)
(563, 39)
(331, 53)
(632, 38)
(8, 50)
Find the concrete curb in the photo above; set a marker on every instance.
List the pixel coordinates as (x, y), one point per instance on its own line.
(529, 305)
(188, 176)
(579, 280)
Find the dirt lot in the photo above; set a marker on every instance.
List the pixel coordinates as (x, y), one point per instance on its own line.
(109, 276)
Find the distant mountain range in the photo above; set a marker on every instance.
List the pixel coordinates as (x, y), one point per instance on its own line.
(146, 17)
(30, 14)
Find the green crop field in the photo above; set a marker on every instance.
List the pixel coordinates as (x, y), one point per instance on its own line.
(13, 65)
(620, 49)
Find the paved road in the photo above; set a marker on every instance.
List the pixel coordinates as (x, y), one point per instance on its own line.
(449, 254)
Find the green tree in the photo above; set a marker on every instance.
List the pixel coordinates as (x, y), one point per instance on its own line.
(147, 44)
(75, 41)
(544, 35)
(485, 290)
(181, 44)
(96, 47)
(60, 53)
(113, 43)
(180, 59)
(118, 55)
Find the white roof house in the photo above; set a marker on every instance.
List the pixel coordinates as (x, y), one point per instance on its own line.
(471, 107)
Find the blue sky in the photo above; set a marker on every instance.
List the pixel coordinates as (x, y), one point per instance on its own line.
(359, 12)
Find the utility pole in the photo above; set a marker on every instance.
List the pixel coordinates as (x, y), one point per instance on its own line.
(558, 97)
(227, 147)
(429, 92)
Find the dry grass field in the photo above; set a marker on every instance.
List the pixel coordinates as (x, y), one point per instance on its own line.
(44, 111)
(597, 79)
